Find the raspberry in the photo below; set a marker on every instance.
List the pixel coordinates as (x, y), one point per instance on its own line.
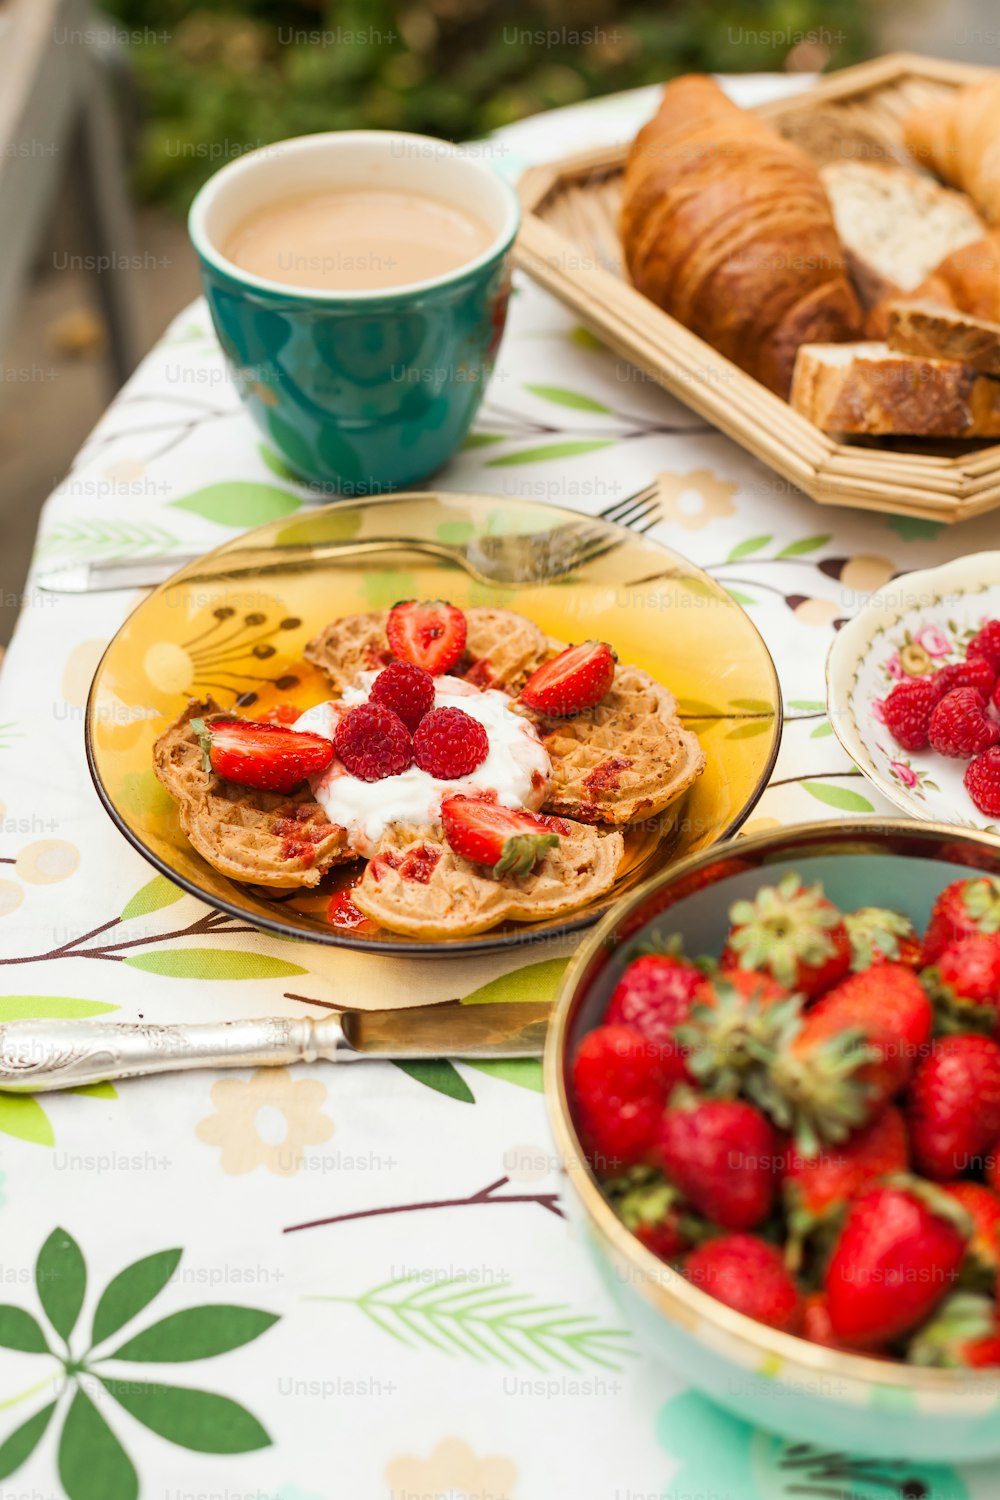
(373, 742)
(976, 672)
(986, 643)
(982, 782)
(449, 743)
(959, 726)
(407, 689)
(907, 711)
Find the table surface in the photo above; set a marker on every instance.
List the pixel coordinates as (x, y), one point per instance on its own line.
(413, 1343)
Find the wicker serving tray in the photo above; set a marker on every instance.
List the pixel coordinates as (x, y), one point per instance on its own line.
(569, 244)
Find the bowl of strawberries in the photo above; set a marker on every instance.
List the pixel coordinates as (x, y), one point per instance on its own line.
(774, 1080)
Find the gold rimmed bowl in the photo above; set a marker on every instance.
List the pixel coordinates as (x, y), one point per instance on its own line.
(805, 1392)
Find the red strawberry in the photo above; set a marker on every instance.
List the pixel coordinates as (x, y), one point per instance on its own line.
(342, 912)
(897, 1255)
(736, 1016)
(373, 742)
(507, 841)
(986, 643)
(621, 1085)
(431, 634)
(270, 757)
(405, 688)
(816, 1325)
(851, 1053)
(651, 1208)
(964, 984)
(817, 1188)
(748, 1274)
(962, 909)
(982, 781)
(791, 932)
(907, 711)
(875, 932)
(983, 1250)
(576, 679)
(723, 1155)
(976, 672)
(450, 744)
(654, 995)
(954, 1106)
(964, 1334)
(959, 726)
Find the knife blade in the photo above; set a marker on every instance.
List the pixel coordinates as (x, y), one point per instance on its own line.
(38, 1056)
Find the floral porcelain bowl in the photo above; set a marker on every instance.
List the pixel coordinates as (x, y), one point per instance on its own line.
(810, 1394)
(912, 626)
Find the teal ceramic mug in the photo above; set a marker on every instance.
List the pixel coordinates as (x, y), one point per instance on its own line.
(360, 391)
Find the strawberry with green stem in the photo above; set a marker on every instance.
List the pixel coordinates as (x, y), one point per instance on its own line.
(267, 757)
(817, 1189)
(964, 908)
(653, 1210)
(876, 933)
(964, 1334)
(792, 932)
(505, 840)
(835, 1067)
(964, 984)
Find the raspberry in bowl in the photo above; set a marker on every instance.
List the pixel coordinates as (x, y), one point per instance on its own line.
(777, 1101)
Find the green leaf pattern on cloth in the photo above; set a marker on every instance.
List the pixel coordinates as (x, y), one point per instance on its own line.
(92, 1461)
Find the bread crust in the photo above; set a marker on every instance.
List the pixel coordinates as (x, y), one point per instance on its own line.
(939, 332)
(881, 393)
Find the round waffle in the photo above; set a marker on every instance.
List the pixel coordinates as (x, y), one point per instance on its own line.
(264, 838)
(625, 760)
(501, 649)
(423, 890)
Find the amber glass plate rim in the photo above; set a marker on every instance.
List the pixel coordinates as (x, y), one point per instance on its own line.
(486, 942)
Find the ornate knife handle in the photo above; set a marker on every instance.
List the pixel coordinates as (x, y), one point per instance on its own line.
(37, 1056)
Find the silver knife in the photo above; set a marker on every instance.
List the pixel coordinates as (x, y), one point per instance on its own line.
(40, 1056)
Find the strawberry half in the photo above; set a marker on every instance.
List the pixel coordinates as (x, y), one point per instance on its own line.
(431, 633)
(509, 842)
(269, 757)
(576, 679)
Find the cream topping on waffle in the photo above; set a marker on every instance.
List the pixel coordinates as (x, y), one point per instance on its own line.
(517, 767)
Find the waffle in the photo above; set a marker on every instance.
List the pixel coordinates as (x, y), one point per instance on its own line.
(502, 648)
(624, 760)
(423, 890)
(260, 837)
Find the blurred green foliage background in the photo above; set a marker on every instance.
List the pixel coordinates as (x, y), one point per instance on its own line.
(218, 79)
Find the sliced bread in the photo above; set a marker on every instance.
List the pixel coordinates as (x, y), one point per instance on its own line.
(940, 332)
(895, 225)
(868, 388)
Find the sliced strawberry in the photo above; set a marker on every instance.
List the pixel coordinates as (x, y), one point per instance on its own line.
(431, 634)
(576, 679)
(509, 842)
(270, 757)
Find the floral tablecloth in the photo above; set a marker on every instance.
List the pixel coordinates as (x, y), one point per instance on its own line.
(299, 1285)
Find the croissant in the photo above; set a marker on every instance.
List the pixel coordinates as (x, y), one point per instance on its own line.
(960, 140)
(726, 226)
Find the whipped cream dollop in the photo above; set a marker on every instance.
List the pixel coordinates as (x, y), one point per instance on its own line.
(517, 767)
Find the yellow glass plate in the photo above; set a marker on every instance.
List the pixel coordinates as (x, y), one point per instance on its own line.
(234, 625)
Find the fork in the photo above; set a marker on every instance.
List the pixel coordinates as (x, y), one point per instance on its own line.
(539, 557)
(544, 555)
